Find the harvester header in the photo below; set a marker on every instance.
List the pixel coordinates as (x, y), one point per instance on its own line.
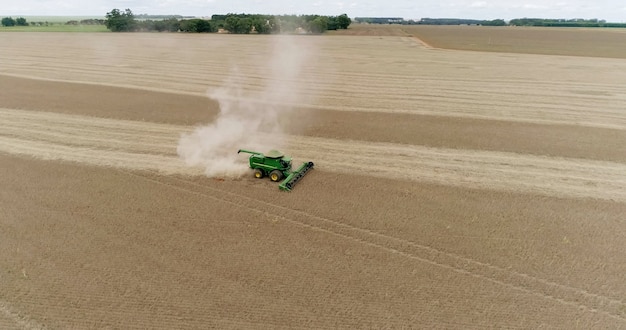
(277, 166)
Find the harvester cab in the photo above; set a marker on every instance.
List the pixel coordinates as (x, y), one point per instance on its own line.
(276, 166)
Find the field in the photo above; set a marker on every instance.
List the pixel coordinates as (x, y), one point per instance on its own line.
(58, 19)
(451, 189)
(55, 24)
(57, 27)
(594, 42)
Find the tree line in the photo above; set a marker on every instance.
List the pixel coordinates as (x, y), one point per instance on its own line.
(496, 22)
(428, 21)
(578, 22)
(10, 21)
(90, 21)
(21, 21)
(126, 21)
(460, 21)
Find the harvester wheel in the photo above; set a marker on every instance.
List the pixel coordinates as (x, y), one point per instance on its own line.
(276, 175)
(258, 173)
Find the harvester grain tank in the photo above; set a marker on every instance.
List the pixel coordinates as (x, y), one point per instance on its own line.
(276, 166)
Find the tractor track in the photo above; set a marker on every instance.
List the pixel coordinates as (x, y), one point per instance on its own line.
(514, 280)
(144, 145)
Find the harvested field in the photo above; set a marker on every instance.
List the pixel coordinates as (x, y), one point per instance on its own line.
(452, 189)
(593, 42)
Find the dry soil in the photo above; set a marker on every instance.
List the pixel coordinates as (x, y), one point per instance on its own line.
(452, 189)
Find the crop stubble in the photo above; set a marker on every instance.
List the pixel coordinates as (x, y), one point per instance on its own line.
(447, 235)
(143, 145)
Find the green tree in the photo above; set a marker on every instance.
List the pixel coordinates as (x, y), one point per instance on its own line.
(343, 21)
(244, 26)
(495, 22)
(21, 21)
(8, 21)
(196, 25)
(332, 23)
(319, 25)
(230, 23)
(118, 21)
(239, 25)
(171, 25)
(265, 25)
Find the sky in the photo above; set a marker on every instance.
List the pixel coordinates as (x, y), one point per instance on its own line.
(610, 10)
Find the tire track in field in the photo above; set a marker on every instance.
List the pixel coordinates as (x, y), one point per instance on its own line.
(151, 146)
(513, 280)
(129, 144)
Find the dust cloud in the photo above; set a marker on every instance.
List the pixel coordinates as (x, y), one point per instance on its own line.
(250, 118)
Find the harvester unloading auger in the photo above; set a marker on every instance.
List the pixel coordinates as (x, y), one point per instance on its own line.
(277, 166)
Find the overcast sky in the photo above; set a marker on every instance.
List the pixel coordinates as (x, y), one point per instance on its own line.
(611, 10)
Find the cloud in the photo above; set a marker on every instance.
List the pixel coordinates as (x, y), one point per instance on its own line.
(533, 6)
(479, 4)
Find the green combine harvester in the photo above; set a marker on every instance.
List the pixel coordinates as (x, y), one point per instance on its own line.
(277, 166)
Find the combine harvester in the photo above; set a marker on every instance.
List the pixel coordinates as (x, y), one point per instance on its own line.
(277, 166)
